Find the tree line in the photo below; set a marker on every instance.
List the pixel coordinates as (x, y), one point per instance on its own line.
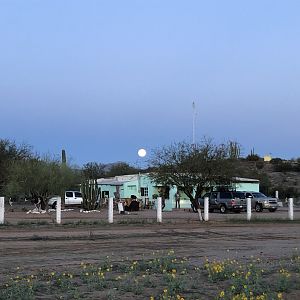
(25, 174)
(194, 168)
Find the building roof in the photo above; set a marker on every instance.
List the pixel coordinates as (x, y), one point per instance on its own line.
(109, 181)
(241, 179)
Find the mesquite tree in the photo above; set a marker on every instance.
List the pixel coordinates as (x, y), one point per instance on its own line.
(195, 168)
(10, 152)
(37, 179)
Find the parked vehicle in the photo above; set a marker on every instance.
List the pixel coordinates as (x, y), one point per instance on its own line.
(71, 198)
(223, 201)
(260, 201)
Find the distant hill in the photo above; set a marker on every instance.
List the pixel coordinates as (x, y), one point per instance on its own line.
(280, 175)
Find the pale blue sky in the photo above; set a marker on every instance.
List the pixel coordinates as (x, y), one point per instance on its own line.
(104, 78)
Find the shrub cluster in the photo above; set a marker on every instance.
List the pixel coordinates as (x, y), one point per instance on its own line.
(285, 166)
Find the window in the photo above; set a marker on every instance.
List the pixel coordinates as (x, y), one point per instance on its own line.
(206, 195)
(105, 194)
(69, 194)
(78, 194)
(144, 192)
(214, 196)
(258, 195)
(225, 195)
(239, 195)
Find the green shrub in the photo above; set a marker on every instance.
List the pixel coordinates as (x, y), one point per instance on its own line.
(253, 157)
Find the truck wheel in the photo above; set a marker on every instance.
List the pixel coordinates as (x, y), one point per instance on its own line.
(223, 209)
(54, 205)
(272, 209)
(258, 207)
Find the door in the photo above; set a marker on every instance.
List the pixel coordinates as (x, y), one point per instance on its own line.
(69, 198)
(77, 198)
(213, 200)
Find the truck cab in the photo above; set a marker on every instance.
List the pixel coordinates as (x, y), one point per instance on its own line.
(71, 198)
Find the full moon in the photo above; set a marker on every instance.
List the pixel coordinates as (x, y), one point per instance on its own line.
(142, 153)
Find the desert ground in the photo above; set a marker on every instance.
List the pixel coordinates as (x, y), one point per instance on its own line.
(35, 242)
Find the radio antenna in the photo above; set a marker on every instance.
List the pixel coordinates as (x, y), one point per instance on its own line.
(194, 120)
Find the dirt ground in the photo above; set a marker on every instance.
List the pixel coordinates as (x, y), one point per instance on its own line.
(34, 243)
(44, 244)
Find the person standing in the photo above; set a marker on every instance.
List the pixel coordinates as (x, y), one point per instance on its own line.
(177, 200)
(163, 203)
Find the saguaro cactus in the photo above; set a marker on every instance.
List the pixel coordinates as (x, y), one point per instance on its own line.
(235, 150)
(63, 157)
(89, 189)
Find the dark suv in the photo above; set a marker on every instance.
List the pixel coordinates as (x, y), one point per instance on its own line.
(224, 201)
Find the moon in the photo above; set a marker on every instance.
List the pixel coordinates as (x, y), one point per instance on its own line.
(142, 152)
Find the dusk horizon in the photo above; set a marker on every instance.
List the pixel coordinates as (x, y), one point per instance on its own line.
(102, 79)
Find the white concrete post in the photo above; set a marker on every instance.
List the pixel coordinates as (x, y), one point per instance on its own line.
(276, 194)
(206, 208)
(1, 210)
(159, 210)
(110, 210)
(58, 211)
(291, 209)
(248, 209)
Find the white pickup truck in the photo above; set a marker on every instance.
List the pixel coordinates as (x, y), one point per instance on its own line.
(71, 198)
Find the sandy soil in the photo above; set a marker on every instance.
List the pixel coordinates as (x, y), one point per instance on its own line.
(48, 245)
(44, 245)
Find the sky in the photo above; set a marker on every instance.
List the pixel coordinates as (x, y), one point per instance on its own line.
(102, 79)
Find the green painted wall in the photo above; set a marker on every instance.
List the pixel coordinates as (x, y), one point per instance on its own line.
(133, 183)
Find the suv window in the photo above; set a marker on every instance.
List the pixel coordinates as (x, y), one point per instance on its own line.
(214, 196)
(69, 194)
(248, 195)
(239, 195)
(225, 195)
(259, 195)
(78, 195)
(206, 195)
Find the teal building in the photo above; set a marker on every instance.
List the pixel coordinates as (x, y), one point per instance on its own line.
(144, 189)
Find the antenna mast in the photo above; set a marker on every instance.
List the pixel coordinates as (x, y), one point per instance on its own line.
(194, 119)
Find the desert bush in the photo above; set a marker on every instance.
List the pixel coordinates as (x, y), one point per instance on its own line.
(284, 167)
(276, 160)
(259, 165)
(253, 157)
(285, 192)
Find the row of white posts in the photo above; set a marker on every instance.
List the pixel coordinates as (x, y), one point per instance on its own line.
(159, 210)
